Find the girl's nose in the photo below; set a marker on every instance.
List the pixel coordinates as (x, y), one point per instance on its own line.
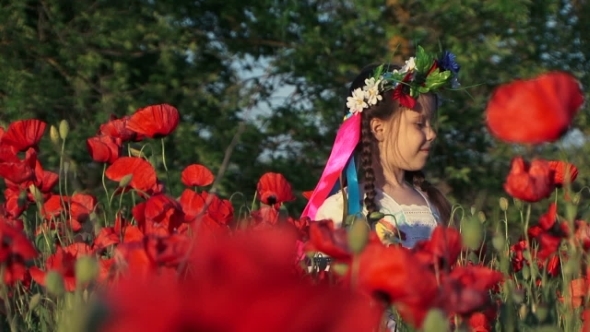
(430, 134)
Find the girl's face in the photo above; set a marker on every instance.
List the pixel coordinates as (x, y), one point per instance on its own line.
(408, 136)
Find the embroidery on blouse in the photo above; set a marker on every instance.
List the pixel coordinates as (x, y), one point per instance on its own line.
(416, 221)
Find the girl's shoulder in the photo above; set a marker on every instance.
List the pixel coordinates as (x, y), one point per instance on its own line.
(332, 209)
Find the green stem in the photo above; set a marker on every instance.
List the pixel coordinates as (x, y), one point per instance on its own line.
(164, 156)
(104, 184)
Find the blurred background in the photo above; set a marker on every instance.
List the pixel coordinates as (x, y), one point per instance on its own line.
(276, 72)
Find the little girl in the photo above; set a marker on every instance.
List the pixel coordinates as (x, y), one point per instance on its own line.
(387, 135)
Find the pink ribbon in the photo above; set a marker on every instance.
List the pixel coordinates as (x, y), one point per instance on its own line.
(346, 141)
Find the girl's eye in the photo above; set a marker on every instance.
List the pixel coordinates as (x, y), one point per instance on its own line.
(420, 124)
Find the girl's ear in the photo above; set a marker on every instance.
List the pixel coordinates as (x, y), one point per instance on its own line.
(378, 129)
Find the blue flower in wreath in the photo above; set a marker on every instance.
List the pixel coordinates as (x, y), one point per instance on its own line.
(448, 61)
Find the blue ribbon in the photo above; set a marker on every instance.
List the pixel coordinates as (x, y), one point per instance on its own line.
(354, 196)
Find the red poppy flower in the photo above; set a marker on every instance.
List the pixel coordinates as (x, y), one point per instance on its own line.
(105, 237)
(302, 226)
(44, 180)
(466, 289)
(219, 213)
(548, 224)
(15, 252)
(81, 206)
(401, 94)
(518, 259)
(14, 205)
(273, 189)
(117, 128)
(529, 183)
(154, 121)
(482, 321)
(324, 237)
(63, 261)
(242, 283)
(197, 175)
(266, 215)
(20, 172)
(564, 173)
(441, 250)
(103, 149)
(393, 272)
(162, 211)
(582, 234)
(24, 134)
(142, 172)
(534, 111)
(53, 208)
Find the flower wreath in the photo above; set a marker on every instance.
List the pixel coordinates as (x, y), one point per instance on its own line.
(420, 74)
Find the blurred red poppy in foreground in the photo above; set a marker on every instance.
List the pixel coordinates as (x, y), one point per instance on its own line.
(529, 183)
(534, 111)
(242, 283)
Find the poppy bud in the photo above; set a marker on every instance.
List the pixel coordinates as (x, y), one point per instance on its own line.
(86, 269)
(471, 234)
(541, 312)
(37, 195)
(64, 129)
(358, 235)
(34, 302)
(481, 216)
(518, 296)
(125, 180)
(570, 211)
(526, 272)
(498, 242)
(503, 204)
(572, 267)
(135, 152)
(576, 198)
(54, 283)
(435, 321)
(523, 311)
(376, 216)
(339, 268)
(527, 255)
(54, 135)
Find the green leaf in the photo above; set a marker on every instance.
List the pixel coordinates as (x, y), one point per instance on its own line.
(378, 72)
(423, 60)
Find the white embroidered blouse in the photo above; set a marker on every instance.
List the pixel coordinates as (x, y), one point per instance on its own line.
(416, 221)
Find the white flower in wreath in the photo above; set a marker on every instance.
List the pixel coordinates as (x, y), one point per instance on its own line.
(356, 103)
(372, 90)
(409, 66)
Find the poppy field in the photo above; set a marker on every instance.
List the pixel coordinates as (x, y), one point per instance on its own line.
(136, 257)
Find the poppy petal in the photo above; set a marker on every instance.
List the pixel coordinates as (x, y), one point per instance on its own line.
(24, 134)
(142, 172)
(154, 121)
(197, 175)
